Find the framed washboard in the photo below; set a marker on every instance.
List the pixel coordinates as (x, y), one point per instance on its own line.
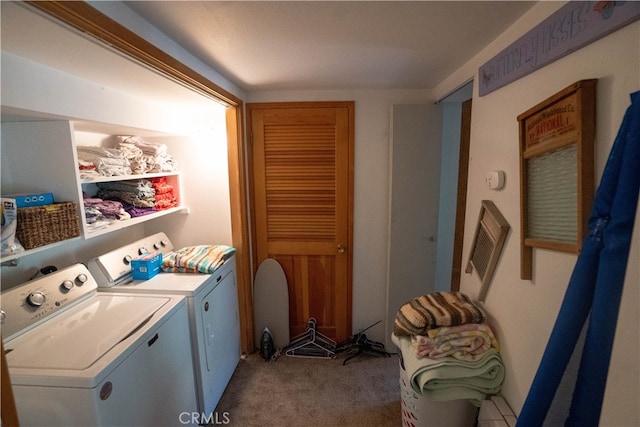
(488, 241)
(556, 172)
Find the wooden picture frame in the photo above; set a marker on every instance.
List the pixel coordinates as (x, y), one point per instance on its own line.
(557, 172)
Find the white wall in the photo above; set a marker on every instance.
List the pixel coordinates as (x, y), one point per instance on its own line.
(524, 311)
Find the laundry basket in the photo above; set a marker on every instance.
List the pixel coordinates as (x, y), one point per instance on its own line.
(421, 411)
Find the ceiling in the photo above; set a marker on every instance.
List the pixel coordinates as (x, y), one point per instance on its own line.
(282, 45)
(277, 45)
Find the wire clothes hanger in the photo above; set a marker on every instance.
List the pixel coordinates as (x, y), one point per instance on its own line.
(362, 344)
(311, 343)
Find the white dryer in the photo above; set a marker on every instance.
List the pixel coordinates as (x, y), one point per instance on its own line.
(212, 301)
(77, 357)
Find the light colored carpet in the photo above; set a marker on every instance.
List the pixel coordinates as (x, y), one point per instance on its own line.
(311, 392)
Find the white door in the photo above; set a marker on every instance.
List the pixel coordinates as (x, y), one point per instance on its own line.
(219, 311)
(415, 182)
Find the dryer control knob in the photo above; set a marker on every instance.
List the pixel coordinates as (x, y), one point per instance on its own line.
(81, 279)
(67, 285)
(3, 316)
(161, 244)
(127, 259)
(36, 299)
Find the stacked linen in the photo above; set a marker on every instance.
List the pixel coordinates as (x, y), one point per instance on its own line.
(100, 213)
(448, 378)
(448, 349)
(464, 342)
(137, 196)
(105, 161)
(104, 209)
(430, 311)
(197, 259)
(134, 155)
(131, 156)
(145, 156)
(165, 194)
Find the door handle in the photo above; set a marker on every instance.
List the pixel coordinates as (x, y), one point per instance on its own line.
(152, 340)
(341, 249)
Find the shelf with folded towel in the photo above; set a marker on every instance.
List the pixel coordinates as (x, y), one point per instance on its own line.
(96, 179)
(118, 225)
(42, 156)
(124, 180)
(108, 205)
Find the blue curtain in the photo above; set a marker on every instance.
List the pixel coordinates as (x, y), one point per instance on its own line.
(594, 289)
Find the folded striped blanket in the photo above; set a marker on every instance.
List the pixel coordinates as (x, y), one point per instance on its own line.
(197, 259)
(430, 311)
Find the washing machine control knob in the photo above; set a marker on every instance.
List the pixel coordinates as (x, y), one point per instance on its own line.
(142, 250)
(127, 259)
(3, 316)
(67, 285)
(81, 279)
(36, 299)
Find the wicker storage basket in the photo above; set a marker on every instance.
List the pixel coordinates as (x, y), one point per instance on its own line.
(42, 225)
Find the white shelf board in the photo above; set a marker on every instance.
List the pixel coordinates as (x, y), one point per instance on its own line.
(26, 252)
(118, 225)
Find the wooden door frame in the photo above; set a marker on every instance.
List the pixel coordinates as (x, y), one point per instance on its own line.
(350, 105)
(461, 199)
(90, 21)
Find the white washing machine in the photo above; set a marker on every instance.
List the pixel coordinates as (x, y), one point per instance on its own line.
(212, 301)
(77, 357)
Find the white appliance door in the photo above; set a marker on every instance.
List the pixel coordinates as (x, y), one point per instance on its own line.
(69, 344)
(153, 385)
(220, 344)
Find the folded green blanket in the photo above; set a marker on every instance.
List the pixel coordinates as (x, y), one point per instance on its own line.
(451, 379)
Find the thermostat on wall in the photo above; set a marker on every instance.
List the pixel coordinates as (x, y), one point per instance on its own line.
(495, 180)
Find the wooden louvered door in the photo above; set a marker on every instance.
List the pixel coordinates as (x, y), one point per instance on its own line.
(302, 155)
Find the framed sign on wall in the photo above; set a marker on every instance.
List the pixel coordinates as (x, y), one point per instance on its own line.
(556, 172)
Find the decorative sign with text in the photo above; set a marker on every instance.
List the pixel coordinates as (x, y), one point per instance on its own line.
(571, 27)
(557, 125)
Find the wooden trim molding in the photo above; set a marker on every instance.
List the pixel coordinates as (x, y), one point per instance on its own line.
(83, 17)
(240, 225)
(461, 198)
(89, 20)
